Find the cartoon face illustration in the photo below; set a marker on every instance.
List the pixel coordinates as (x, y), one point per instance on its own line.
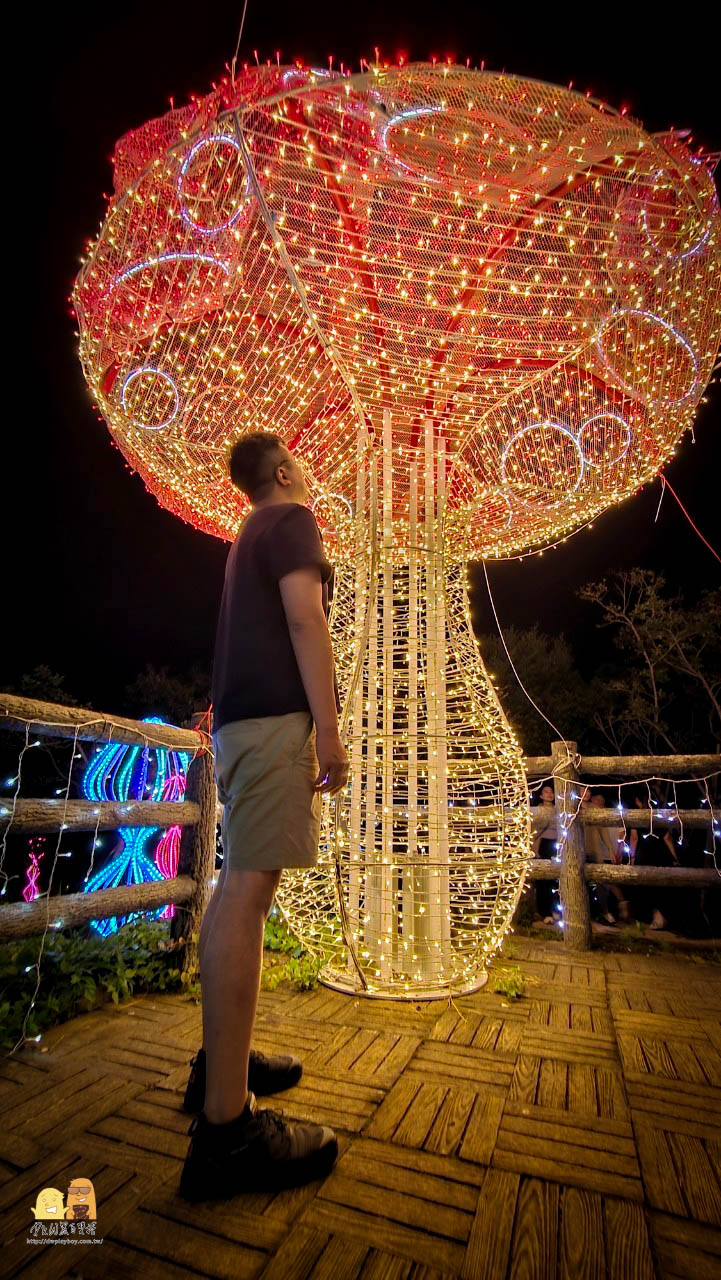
(49, 1204)
(81, 1200)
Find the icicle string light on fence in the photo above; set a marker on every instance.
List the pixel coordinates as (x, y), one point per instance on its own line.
(480, 310)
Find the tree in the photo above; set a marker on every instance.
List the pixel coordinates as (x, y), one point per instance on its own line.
(159, 692)
(667, 694)
(43, 685)
(547, 667)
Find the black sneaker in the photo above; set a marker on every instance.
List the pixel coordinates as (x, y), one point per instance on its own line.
(259, 1151)
(265, 1075)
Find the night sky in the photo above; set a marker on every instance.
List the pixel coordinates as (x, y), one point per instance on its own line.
(104, 580)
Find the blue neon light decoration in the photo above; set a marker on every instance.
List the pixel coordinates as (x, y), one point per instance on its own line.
(120, 772)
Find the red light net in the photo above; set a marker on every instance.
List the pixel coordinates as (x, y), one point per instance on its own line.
(515, 262)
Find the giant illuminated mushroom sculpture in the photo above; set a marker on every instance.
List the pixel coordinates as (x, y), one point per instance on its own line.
(480, 309)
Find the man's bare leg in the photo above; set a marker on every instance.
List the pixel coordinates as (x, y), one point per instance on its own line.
(206, 927)
(230, 979)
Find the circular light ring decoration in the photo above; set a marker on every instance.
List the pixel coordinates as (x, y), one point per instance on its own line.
(216, 141)
(296, 76)
(656, 235)
(666, 331)
(670, 231)
(482, 525)
(412, 113)
(600, 432)
(333, 497)
(171, 286)
(334, 514)
(163, 259)
(493, 512)
(164, 386)
(547, 443)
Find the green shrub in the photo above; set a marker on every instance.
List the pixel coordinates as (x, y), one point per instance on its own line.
(510, 982)
(79, 970)
(300, 967)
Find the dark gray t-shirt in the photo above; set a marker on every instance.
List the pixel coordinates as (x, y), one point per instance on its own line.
(255, 672)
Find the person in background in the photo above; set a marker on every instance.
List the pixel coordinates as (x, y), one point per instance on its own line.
(650, 849)
(602, 845)
(545, 845)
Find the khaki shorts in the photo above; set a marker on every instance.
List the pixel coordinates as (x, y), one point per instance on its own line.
(265, 769)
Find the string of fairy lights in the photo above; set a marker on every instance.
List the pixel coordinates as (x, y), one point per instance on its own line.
(329, 939)
(480, 309)
(549, 314)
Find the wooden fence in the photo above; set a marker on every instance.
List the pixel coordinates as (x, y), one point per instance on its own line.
(196, 815)
(569, 773)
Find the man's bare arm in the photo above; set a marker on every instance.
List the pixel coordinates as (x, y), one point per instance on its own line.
(302, 595)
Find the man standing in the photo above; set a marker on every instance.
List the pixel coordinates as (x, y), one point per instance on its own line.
(277, 747)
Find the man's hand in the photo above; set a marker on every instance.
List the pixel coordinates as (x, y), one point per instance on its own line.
(332, 761)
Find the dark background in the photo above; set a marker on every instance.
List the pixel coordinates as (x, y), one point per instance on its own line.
(99, 579)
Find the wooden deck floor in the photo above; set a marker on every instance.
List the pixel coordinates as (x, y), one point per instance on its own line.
(575, 1133)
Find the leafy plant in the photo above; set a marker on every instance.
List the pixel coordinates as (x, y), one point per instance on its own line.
(168, 693)
(547, 666)
(303, 971)
(510, 982)
(300, 967)
(79, 971)
(278, 936)
(668, 689)
(44, 684)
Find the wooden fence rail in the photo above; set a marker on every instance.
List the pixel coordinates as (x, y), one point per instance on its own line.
(564, 766)
(84, 815)
(64, 911)
(55, 721)
(197, 816)
(626, 766)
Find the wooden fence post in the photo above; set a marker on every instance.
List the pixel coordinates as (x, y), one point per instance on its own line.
(571, 881)
(197, 857)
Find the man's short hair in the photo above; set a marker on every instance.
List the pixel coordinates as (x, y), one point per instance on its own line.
(252, 462)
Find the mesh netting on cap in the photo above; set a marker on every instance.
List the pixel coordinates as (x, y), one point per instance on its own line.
(300, 251)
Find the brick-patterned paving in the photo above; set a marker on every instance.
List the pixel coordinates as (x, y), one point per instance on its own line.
(574, 1133)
